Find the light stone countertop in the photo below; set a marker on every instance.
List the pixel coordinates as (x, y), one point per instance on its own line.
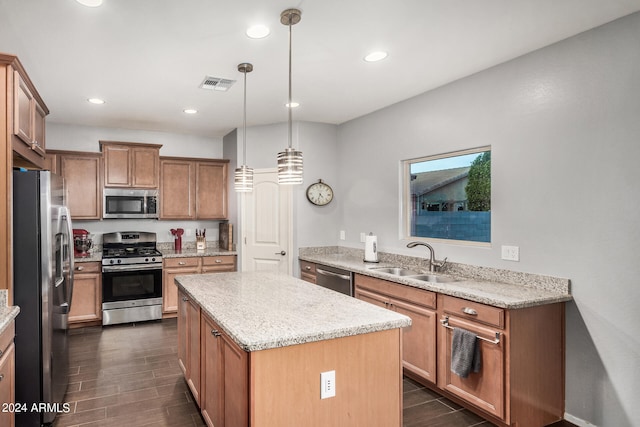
(7, 313)
(94, 256)
(260, 310)
(191, 252)
(497, 292)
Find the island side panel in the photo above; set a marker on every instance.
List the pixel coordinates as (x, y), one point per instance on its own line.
(285, 382)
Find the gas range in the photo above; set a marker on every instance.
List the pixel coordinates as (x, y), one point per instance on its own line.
(131, 278)
(130, 249)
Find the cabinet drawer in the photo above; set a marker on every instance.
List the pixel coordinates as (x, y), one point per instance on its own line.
(475, 311)
(87, 267)
(7, 337)
(395, 290)
(307, 267)
(181, 262)
(218, 260)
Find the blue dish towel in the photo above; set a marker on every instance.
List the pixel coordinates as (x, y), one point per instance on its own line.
(465, 353)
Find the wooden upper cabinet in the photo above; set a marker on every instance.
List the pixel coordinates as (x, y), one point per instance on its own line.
(177, 191)
(131, 165)
(193, 188)
(29, 112)
(23, 110)
(82, 173)
(211, 190)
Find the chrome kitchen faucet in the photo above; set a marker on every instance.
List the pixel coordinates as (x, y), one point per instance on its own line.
(432, 255)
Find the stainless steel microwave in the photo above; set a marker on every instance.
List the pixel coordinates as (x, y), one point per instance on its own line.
(119, 203)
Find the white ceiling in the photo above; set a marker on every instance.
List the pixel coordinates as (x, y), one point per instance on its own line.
(146, 58)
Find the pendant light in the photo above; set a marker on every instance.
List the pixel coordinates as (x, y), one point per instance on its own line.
(244, 174)
(290, 160)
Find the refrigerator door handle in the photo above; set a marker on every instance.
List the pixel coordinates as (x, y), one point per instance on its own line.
(67, 253)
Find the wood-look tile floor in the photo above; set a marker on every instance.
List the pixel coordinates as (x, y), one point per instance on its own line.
(128, 375)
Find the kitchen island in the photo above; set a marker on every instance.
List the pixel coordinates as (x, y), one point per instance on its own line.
(253, 347)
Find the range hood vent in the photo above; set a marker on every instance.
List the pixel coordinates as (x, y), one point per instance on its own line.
(216, 83)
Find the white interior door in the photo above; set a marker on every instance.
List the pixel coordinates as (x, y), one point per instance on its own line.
(266, 214)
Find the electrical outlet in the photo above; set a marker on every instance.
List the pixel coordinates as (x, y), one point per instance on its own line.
(511, 253)
(327, 384)
(343, 235)
(362, 237)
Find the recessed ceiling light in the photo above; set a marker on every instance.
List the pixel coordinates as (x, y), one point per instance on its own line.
(292, 105)
(258, 32)
(90, 3)
(190, 111)
(96, 101)
(375, 56)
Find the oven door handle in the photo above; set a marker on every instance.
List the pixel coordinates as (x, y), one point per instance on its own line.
(130, 267)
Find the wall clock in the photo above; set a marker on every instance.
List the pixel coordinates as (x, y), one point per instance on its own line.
(319, 193)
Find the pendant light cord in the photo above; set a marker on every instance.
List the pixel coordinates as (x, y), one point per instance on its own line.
(290, 98)
(244, 122)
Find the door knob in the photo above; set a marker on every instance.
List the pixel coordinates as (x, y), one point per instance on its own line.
(283, 253)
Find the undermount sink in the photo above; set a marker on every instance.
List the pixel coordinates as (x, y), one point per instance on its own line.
(396, 271)
(434, 278)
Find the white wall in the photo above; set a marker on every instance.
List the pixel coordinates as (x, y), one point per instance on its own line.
(564, 127)
(313, 225)
(85, 138)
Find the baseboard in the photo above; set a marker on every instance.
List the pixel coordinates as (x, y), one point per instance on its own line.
(577, 421)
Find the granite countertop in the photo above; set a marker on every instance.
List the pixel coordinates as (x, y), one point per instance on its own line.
(166, 253)
(7, 313)
(540, 289)
(260, 310)
(191, 252)
(93, 257)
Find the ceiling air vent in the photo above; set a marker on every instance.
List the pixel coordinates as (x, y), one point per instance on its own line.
(216, 83)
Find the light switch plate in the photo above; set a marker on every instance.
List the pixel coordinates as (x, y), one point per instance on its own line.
(343, 235)
(511, 253)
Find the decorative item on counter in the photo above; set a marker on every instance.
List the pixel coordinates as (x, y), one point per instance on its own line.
(201, 240)
(81, 243)
(371, 248)
(177, 243)
(225, 241)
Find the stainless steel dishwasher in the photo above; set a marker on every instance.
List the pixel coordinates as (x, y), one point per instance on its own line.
(334, 278)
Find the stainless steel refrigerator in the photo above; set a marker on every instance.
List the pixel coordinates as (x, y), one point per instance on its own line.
(42, 288)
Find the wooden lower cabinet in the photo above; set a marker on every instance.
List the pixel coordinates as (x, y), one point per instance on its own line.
(521, 381)
(218, 264)
(485, 389)
(224, 398)
(7, 374)
(419, 339)
(172, 267)
(189, 343)
(86, 301)
(308, 271)
(280, 386)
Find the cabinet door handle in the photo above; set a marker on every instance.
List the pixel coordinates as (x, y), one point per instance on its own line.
(283, 253)
(80, 268)
(1, 353)
(185, 299)
(308, 268)
(218, 261)
(470, 311)
(215, 333)
(182, 263)
(1, 377)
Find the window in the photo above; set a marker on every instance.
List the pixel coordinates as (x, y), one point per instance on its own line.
(448, 196)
